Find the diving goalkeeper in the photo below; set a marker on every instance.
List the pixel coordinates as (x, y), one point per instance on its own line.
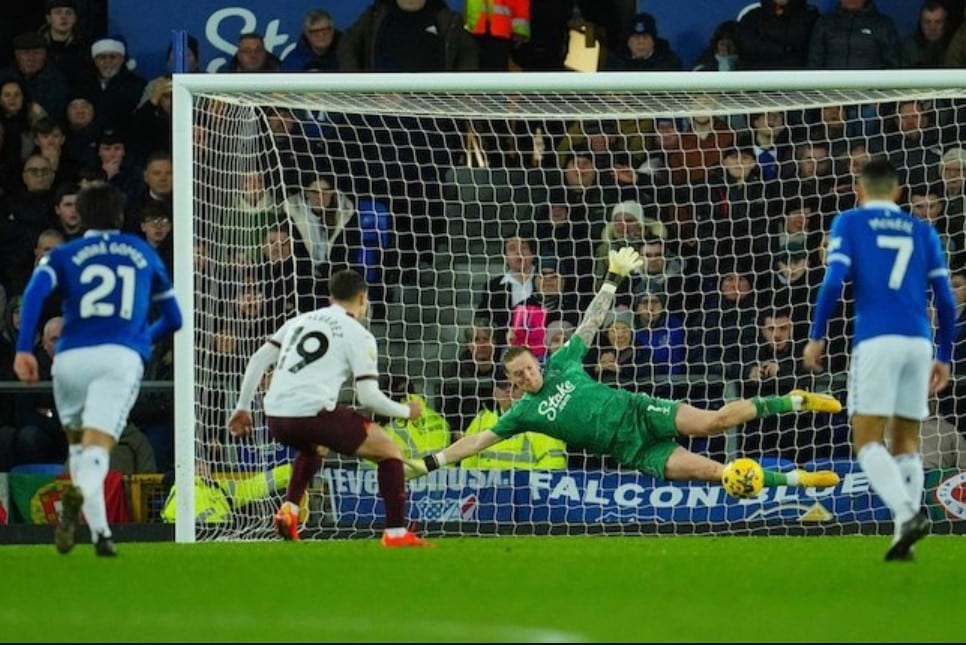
(564, 402)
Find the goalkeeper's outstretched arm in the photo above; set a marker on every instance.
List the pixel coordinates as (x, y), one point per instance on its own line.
(465, 447)
(621, 264)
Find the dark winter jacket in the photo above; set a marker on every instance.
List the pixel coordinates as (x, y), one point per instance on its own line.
(865, 39)
(663, 59)
(769, 40)
(303, 59)
(359, 46)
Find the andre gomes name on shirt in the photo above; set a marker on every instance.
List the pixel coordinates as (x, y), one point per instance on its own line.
(114, 248)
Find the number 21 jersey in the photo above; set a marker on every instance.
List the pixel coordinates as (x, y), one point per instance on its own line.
(109, 280)
(319, 351)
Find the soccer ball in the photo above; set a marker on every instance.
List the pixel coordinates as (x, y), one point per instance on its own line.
(743, 478)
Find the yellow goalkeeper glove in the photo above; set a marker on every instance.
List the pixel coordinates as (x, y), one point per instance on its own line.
(621, 264)
(414, 468)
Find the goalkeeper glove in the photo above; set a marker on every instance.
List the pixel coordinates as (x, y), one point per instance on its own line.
(418, 467)
(414, 468)
(621, 263)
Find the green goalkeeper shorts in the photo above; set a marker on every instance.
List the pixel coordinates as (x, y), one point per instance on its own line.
(657, 425)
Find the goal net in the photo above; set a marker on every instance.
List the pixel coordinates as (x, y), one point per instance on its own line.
(480, 210)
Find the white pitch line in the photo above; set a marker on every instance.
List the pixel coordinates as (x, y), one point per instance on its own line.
(319, 626)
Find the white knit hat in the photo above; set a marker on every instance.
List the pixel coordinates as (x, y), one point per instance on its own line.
(558, 328)
(954, 155)
(111, 45)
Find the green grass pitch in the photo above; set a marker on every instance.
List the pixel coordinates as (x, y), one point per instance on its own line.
(529, 589)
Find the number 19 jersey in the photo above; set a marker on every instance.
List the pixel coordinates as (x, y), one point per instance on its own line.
(319, 351)
(891, 257)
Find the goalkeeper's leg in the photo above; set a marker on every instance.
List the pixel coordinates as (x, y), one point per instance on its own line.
(695, 422)
(684, 465)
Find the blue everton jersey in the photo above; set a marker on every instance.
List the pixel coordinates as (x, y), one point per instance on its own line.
(108, 280)
(892, 259)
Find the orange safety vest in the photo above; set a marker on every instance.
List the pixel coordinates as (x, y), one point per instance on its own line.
(500, 18)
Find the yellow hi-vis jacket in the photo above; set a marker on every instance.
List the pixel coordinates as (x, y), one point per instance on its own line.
(525, 451)
(215, 498)
(500, 18)
(423, 436)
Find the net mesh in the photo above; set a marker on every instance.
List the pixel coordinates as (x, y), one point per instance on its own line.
(483, 220)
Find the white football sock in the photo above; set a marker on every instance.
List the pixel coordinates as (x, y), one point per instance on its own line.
(913, 478)
(913, 475)
(91, 471)
(886, 480)
(74, 451)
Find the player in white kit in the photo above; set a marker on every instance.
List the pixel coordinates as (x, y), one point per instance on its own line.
(313, 354)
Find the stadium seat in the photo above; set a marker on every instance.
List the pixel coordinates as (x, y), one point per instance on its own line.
(449, 342)
(439, 297)
(422, 360)
(409, 295)
(379, 330)
(483, 185)
(472, 277)
(482, 248)
(437, 276)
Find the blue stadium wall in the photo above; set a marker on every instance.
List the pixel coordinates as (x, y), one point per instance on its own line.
(146, 25)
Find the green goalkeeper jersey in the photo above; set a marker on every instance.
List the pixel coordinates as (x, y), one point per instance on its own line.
(575, 408)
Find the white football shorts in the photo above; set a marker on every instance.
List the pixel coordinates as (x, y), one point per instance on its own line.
(95, 387)
(889, 376)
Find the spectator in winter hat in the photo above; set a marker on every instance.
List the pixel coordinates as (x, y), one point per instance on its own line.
(66, 49)
(42, 81)
(612, 360)
(643, 50)
(107, 46)
(114, 88)
(627, 224)
(558, 333)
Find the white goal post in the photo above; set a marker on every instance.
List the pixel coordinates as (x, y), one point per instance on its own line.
(228, 149)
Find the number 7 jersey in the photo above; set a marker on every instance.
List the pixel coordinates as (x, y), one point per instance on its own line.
(108, 280)
(892, 259)
(318, 352)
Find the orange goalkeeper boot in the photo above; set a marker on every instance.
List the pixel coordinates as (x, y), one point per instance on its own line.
(406, 539)
(287, 522)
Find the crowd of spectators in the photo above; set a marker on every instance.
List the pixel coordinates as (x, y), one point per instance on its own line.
(729, 211)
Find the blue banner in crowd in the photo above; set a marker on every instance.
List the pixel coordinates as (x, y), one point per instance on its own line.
(147, 25)
(583, 497)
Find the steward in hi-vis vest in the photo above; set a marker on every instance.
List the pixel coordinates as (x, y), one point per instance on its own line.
(423, 436)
